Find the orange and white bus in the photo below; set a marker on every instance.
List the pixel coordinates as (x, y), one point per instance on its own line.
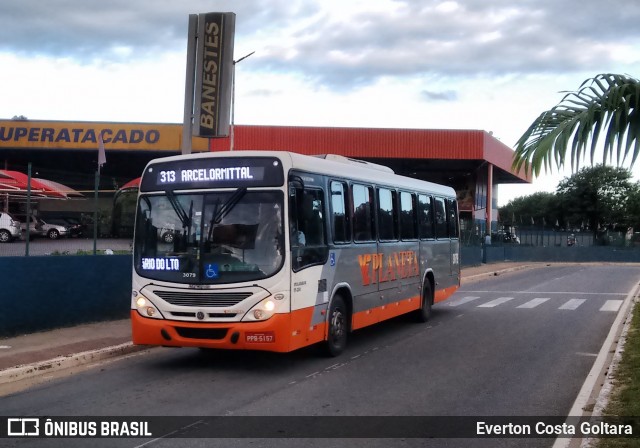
(270, 250)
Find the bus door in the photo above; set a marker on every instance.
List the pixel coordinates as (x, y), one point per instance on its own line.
(309, 253)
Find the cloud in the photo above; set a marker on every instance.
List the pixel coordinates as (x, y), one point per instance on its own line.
(117, 30)
(342, 44)
(448, 95)
(458, 39)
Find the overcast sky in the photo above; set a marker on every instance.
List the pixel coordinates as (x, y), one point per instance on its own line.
(493, 65)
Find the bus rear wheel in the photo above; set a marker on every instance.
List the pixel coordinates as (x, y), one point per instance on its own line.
(338, 327)
(424, 313)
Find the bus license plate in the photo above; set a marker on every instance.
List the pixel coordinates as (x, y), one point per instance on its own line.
(267, 336)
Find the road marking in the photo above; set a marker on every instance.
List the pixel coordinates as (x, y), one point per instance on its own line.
(612, 305)
(496, 302)
(463, 301)
(572, 304)
(566, 293)
(4, 347)
(534, 302)
(590, 355)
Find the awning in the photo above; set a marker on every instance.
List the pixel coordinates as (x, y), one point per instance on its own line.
(15, 184)
(135, 183)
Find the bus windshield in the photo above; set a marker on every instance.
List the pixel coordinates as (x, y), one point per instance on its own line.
(209, 238)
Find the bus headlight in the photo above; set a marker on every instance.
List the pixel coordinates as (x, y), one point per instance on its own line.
(262, 311)
(145, 308)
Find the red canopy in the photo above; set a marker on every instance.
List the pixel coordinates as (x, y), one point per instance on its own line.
(15, 184)
(135, 183)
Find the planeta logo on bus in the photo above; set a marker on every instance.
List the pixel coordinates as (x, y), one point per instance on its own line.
(380, 268)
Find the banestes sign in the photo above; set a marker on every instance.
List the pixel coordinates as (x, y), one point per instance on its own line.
(214, 73)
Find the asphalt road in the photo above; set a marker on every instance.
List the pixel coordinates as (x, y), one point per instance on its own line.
(520, 344)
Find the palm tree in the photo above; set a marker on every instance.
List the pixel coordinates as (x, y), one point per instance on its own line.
(607, 102)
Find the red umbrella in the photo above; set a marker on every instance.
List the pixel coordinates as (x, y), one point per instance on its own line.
(15, 183)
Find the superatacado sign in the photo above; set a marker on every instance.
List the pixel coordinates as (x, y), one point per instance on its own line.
(69, 135)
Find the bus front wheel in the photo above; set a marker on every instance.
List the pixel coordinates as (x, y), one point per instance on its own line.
(338, 327)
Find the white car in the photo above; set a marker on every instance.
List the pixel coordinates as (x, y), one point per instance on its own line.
(9, 228)
(54, 231)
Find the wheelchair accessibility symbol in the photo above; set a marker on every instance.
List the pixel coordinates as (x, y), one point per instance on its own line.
(211, 270)
(332, 259)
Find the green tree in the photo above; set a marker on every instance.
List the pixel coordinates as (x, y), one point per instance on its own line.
(598, 196)
(608, 104)
(540, 209)
(633, 207)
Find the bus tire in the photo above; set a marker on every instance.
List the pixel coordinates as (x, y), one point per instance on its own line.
(424, 313)
(337, 327)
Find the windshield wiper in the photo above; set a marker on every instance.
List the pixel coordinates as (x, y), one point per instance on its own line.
(177, 207)
(225, 209)
(228, 205)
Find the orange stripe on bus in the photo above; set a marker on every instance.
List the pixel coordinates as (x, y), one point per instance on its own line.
(290, 331)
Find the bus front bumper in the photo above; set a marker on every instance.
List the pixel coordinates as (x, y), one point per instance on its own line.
(274, 334)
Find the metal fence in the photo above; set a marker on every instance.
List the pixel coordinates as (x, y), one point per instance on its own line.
(58, 220)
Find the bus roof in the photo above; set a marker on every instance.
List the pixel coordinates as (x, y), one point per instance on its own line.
(330, 165)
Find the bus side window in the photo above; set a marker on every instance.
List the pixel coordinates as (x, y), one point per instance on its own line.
(452, 218)
(425, 217)
(442, 230)
(312, 217)
(408, 219)
(387, 215)
(363, 217)
(339, 212)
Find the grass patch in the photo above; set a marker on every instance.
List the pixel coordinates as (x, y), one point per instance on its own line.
(625, 398)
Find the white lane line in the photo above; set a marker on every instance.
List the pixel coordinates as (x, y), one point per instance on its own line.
(534, 302)
(572, 304)
(496, 302)
(566, 293)
(463, 300)
(612, 305)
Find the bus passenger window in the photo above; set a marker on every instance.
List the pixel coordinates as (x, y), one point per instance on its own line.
(425, 217)
(363, 227)
(442, 230)
(408, 216)
(387, 213)
(339, 209)
(452, 217)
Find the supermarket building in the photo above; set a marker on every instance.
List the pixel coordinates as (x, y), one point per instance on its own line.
(473, 162)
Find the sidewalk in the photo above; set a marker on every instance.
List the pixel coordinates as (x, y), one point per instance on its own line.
(30, 355)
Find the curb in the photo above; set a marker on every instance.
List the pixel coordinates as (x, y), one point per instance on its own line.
(496, 272)
(20, 373)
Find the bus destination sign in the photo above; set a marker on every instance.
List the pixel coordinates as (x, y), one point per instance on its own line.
(213, 173)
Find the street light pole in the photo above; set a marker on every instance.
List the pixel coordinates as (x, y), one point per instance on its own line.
(233, 99)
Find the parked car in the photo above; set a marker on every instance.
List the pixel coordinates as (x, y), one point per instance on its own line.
(75, 228)
(41, 228)
(9, 228)
(54, 231)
